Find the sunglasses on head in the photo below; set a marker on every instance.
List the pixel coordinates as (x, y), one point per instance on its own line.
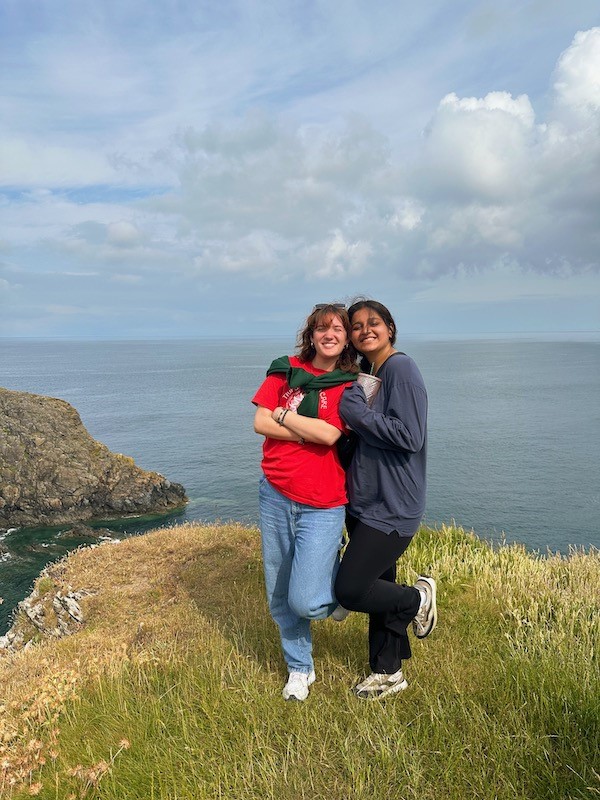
(321, 306)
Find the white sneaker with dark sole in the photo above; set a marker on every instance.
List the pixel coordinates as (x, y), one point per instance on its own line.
(426, 617)
(297, 685)
(381, 685)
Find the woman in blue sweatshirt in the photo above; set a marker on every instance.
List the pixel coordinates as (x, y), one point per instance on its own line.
(386, 491)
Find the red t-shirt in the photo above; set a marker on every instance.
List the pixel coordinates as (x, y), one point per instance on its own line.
(307, 473)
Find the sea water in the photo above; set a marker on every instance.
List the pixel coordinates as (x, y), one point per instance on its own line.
(514, 432)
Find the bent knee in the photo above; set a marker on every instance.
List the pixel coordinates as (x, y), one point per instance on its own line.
(307, 610)
(349, 597)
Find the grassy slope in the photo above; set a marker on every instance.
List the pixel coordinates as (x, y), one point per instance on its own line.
(172, 688)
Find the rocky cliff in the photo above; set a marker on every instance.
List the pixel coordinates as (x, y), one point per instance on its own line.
(53, 472)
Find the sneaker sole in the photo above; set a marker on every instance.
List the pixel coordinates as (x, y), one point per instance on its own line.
(397, 687)
(365, 694)
(432, 622)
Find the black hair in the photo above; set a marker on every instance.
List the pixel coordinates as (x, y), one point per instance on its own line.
(380, 309)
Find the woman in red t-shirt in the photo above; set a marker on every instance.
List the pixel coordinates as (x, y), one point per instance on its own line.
(302, 491)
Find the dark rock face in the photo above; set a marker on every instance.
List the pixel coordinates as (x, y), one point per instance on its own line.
(52, 471)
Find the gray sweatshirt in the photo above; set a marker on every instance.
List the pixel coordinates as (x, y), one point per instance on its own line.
(386, 479)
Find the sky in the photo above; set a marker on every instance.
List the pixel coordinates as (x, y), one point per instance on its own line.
(187, 168)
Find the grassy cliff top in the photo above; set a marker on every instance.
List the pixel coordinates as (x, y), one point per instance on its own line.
(171, 688)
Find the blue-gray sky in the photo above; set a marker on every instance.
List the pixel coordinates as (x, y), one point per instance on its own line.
(186, 168)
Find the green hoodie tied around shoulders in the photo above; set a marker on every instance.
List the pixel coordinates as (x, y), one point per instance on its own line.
(298, 378)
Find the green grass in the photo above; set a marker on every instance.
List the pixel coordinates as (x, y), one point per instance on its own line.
(503, 699)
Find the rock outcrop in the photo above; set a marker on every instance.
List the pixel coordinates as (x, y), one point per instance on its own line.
(52, 610)
(53, 472)
(54, 615)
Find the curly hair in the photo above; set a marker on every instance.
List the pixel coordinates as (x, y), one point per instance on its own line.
(323, 316)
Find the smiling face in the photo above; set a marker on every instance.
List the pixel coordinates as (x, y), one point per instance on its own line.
(329, 338)
(370, 334)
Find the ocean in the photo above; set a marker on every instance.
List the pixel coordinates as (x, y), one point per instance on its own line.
(514, 432)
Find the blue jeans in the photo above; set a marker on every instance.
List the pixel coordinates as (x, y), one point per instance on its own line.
(300, 547)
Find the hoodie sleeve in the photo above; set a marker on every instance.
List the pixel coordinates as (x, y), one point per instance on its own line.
(401, 425)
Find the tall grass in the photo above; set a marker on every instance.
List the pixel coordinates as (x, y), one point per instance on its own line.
(179, 692)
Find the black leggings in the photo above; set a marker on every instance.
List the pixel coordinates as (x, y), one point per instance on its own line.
(366, 582)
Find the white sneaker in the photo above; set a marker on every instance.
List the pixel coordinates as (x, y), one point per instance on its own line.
(340, 614)
(426, 618)
(297, 686)
(379, 684)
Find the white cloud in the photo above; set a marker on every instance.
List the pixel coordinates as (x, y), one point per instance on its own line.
(28, 161)
(497, 185)
(258, 195)
(505, 283)
(406, 213)
(338, 258)
(123, 234)
(474, 226)
(478, 148)
(42, 214)
(577, 79)
(257, 253)
(494, 101)
(283, 146)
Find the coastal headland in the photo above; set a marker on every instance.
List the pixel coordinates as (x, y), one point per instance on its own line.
(151, 668)
(53, 472)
